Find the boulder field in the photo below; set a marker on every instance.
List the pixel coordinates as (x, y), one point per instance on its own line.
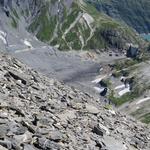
(37, 112)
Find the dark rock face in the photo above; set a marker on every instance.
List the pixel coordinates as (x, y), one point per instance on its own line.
(43, 113)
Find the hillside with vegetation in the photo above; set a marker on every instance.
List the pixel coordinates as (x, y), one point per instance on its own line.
(135, 13)
(73, 25)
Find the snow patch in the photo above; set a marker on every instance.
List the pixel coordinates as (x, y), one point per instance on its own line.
(98, 79)
(82, 41)
(3, 37)
(27, 43)
(124, 91)
(89, 19)
(143, 100)
(2, 33)
(23, 50)
(99, 89)
(120, 87)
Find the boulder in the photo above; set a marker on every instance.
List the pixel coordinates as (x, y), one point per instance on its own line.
(46, 144)
(92, 109)
(113, 144)
(3, 148)
(55, 136)
(101, 130)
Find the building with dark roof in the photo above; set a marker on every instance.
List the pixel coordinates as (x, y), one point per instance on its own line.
(133, 52)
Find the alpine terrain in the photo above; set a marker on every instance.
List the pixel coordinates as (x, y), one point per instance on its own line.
(74, 75)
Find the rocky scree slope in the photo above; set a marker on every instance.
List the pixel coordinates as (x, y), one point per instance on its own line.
(135, 13)
(41, 113)
(69, 24)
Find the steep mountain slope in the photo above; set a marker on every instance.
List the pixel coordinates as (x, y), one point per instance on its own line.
(37, 112)
(135, 13)
(82, 28)
(139, 107)
(128, 84)
(70, 24)
(42, 113)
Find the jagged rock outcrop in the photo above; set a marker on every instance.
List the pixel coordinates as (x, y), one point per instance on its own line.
(41, 113)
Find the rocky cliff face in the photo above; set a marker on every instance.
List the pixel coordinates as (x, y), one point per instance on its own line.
(134, 13)
(69, 24)
(42, 113)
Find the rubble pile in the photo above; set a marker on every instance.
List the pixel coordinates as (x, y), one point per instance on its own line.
(41, 113)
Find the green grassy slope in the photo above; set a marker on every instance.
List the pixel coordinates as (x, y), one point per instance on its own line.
(73, 30)
(136, 72)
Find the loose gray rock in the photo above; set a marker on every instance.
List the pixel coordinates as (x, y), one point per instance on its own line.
(3, 148)
(92, 109)
(46, 144)
(55, 136)
(28, 147)
(39, 113)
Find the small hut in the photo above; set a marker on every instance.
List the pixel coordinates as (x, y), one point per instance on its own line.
(133, 51)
